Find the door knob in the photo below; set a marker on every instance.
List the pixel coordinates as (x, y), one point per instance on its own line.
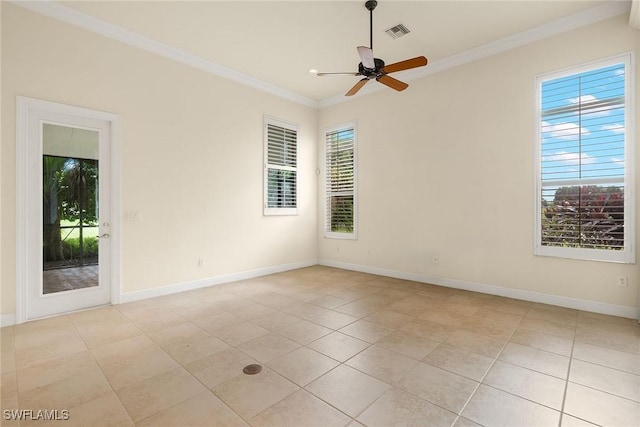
(104, 236)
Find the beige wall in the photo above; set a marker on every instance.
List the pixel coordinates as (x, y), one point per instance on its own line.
(192, 155)
(438, 165)
(446, 170)
(2, 202)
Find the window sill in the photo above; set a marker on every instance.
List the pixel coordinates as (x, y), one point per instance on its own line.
(340, 236)
(623, 256)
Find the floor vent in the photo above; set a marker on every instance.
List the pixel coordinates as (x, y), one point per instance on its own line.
(397, 31)
(252, 369)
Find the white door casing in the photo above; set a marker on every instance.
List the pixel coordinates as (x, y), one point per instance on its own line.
(31, 303)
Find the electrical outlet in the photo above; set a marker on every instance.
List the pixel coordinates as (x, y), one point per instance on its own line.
(132, 216)
(435, 260)
(200, 262)
(622, 281)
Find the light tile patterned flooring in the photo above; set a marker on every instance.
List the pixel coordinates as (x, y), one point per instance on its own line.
(338, 348)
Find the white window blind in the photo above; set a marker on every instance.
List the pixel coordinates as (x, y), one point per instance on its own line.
(281, 167)
(340, 191)
(584, 200)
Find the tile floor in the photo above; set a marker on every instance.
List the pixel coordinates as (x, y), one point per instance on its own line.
(338, 348)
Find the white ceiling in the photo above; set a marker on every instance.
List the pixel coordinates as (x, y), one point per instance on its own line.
(277, 42)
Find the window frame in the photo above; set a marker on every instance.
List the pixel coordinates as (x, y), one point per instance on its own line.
(627, 253)
(327, 217)
(270, 211)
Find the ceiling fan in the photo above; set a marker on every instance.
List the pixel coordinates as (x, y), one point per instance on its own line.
(375, 68)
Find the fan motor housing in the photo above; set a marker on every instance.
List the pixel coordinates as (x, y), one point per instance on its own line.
(370, 73)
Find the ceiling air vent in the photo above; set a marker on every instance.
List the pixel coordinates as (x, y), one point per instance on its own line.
(397, 31)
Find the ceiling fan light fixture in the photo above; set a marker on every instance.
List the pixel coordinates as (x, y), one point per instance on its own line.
(397, 31)
(371, 68)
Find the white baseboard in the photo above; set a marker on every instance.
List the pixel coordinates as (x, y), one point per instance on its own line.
(211, 281)
(10, 319)
(578, 304)
(7, 320)
(575, 303)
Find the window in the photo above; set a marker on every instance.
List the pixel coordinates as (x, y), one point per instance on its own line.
(280, 168)
(584, 163)
(340, 195)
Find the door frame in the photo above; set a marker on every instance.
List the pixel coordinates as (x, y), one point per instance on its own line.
(25, 156)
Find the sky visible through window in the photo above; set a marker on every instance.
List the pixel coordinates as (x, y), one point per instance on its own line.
(583, 128)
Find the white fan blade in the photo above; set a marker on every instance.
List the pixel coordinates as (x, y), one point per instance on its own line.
(346, 73)
(366, 56)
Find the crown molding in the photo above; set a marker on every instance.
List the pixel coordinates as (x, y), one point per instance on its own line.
(62, 13)
(582, 19)
(73, 17)
(634, 15)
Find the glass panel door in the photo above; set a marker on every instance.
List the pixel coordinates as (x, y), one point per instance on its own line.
(70, 190)
(65, 237)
